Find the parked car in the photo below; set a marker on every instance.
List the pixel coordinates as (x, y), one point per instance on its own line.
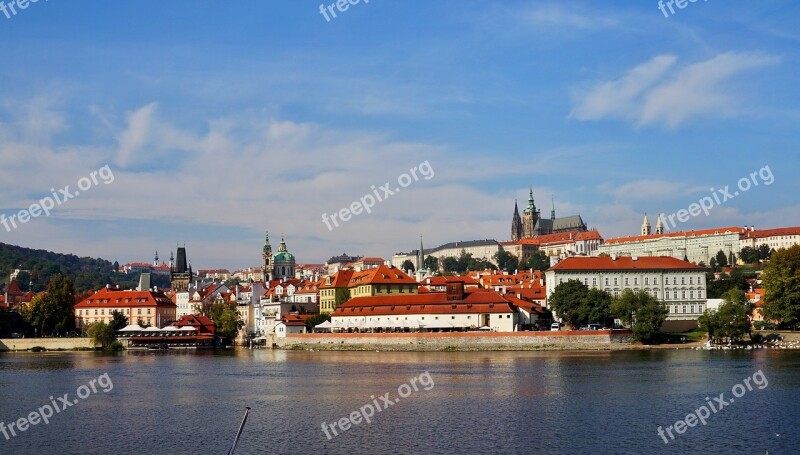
(595, 327)
(555, 326)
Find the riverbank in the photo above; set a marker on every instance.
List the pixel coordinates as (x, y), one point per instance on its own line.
(601, 340)
(49, 344)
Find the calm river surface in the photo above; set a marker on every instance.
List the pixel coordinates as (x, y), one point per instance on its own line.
(480, 402)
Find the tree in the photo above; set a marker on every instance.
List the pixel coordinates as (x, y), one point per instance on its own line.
(52, 311)
(781, 281)
(642, 312)
(408, 265)
(722, 260)
(118, 321)
(732, 320)
(538, 260)
(749, 255)
(506, 261)
(227, 321)
(340, 296)
(567, 299)
(316, 320)
(596, 308)
(101, 334)
(432, 263)
(764, 252)
(450, 264)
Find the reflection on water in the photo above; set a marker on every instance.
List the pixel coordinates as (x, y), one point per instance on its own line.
(483, 402)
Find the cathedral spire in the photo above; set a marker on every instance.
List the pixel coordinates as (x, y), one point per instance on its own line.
(553, 212)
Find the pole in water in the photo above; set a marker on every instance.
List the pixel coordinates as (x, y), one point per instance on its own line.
(239, 433)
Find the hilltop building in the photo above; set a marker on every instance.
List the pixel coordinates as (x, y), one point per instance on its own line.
(532, 224)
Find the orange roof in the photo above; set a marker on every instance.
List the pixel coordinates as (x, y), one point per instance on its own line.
(639, 238)
(761, 233)
(106, 298)
(339, 279)
(560, 237)
(624, 263)
(380, 275)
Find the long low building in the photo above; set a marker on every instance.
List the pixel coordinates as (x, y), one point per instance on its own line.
(454, 310)
(695, 246)
(680, 285)
(145, 308)
(774, 238)
(479, 249)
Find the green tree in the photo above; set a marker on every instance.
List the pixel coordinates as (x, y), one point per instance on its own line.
(450, 264)
(506, 261)
(118, 321)
(227, 321)
(340, 296)
(538, 260)
(52, 311)
(732, 320)
(722, 260)
(101, 334)
(408, 265)
(316, 320)
(432, 263)
(567, 299)
(781, 282)
(764, 252)
(596, 308)
(749, 255)
(642, 312)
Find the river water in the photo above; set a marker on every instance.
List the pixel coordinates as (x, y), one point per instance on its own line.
(470, 402)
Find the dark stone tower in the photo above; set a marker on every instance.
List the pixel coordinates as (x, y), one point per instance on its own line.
(516, 225)
(180, 274)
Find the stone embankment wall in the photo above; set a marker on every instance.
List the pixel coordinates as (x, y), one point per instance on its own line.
(23, 344)
(461, 341)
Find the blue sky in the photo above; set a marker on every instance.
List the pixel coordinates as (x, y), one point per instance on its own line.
(222, 119)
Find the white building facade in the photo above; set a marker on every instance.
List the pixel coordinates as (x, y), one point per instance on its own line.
(681, 286)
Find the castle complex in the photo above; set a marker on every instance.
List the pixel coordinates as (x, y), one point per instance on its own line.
(532, 224)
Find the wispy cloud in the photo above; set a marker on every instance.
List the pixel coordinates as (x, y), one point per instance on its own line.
(661, 91)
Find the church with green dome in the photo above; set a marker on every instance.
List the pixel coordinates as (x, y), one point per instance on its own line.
(279, 266)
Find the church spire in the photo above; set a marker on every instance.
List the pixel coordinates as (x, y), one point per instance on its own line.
(646, 229)
(553, 212)
(421, 256)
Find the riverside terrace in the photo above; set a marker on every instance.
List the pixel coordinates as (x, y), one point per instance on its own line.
(189, 332)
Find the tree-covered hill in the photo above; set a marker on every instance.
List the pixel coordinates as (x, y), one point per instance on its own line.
(86, 273)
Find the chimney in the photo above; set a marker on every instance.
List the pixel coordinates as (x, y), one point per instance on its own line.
(613, 257)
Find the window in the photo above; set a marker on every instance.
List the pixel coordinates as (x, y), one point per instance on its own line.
(626, 281)
(646, 281)
(594, 281)
(683, 294)
(655, 280)
(148, 311)
(691, 308)
(452, 317)
(616, 281)
(691, 280)
(636, 281)
(139, 311)
(691, 294)
(585, 281)
(606, 281)
(684, 309)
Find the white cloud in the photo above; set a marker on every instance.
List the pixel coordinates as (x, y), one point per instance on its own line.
(659, 91)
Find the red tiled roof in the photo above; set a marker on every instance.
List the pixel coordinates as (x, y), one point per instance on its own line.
(761, 233)
(380, 275)
(639, 238)
(106, 298)
(561, 237)
(624, 263)
(338, 279)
